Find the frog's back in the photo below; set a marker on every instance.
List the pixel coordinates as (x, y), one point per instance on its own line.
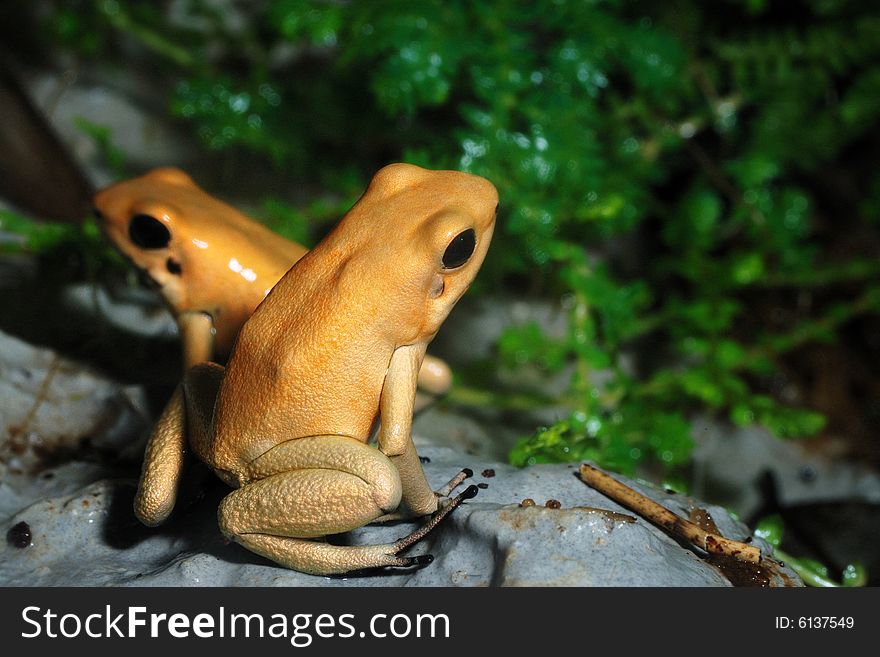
(237, 261)
(312, 359)
(299, 368)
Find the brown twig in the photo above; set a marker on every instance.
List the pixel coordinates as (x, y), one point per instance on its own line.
(666, 519)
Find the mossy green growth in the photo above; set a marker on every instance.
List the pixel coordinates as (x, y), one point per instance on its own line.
(671, 174)
(20, 233)
(47, 239)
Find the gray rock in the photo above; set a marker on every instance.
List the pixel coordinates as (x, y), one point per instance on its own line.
(50, 405)
(89, 536)
(137, 311)
(729, 463)
(121, 103)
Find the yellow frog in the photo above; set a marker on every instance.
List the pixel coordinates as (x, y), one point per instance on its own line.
(212, 264)
(337, 342)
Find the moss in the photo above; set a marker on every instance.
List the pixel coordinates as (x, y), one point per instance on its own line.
(662, 168)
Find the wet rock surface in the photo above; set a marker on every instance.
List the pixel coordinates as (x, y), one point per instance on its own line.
(53, 409)
(88, 536)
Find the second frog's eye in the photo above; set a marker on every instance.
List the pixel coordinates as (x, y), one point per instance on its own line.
(460, 249)
(148, 232)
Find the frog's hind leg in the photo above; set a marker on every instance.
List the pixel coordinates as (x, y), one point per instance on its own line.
(308, 488)
(186, 419)
(202, 384)
(163, 464)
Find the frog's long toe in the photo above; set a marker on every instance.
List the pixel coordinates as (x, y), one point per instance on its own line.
(436, 519)
(419, 560)
(453, 483)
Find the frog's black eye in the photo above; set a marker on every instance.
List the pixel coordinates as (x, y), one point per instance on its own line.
(460, 249)
(148, 232)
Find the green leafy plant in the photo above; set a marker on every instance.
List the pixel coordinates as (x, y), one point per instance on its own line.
(79, 247)
(664, 173)
(102, 136)
(813, 572)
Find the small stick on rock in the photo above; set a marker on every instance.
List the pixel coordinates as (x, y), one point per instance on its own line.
(666, 519)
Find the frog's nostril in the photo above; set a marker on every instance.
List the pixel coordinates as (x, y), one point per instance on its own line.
(497, 205)
(173, 267)
(437, 287)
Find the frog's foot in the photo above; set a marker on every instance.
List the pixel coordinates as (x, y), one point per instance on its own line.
(411, 539)
(435, 376)
(438, 517)
(454, 483)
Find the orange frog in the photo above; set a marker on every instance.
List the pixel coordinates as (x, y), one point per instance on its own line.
(338, 341)
(212, 264)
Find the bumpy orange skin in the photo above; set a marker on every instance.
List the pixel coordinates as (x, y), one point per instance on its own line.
(338, 342)
(313, 357)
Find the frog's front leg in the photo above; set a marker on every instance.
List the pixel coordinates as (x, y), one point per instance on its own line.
(395, 435)
(197, 338)
(307, 488)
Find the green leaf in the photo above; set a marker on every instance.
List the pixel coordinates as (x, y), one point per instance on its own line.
(855, 574)
(770, 528)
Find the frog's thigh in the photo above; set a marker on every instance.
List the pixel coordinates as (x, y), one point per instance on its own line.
(202, 383)
(320, 485)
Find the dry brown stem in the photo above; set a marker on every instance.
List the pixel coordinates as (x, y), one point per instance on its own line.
(666, 519)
